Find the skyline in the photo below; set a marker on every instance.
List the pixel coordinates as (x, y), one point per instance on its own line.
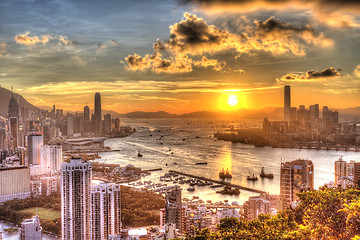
(67, 50)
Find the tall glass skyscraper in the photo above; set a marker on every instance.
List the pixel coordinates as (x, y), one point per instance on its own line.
(97, 116)
(287, 103)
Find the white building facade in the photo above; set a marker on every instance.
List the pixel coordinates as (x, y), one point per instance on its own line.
(75, 199)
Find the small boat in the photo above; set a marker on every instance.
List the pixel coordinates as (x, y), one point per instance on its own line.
(266, 175)
(229, 190)
(139, 154)
(201, 163)
(224, 174)
(252, 178)
(191, 189)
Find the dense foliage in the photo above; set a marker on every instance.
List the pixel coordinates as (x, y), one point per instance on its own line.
(327, 213)
(10, 211)
(140, 207)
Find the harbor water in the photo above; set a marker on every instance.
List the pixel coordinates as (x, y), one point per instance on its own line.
(178, 144)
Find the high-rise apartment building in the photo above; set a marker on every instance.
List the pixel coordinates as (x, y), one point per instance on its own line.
(287, 103)
(255, 206)
(340, 170)
(107, 123)
(35, 141)
(97, 115)
(105, 211)
(75, 199)
(357, 173)
(295, 177)
(31, 229)
(173, 207)
(51, 158)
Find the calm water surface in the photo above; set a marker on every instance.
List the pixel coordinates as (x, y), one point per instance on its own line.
(180, 143)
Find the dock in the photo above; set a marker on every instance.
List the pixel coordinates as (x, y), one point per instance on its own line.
(220, 182)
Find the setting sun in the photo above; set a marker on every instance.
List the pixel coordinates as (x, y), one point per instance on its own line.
(232, 100)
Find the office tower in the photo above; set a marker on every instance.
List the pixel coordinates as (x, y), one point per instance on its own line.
(14, 132)
(255, 206)
(86, 113)
(78, 124)
(31, 229)
(357, 173)
(13, 109)
(117, 124)
(51, 158)
(15, 183)
(70, 126)
(75, 199)
(287, 103)
(97, 115)
(340, 170)
(295, 177)
(107, 123)
(53, 112)
(314, 112)
(173, 211)
(35, 141)
(105, 211)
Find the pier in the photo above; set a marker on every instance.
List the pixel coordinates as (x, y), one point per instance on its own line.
(220, 182)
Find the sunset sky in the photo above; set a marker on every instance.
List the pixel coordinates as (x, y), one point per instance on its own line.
(181, 55)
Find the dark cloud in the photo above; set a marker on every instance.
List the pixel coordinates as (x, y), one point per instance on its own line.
(311, 74)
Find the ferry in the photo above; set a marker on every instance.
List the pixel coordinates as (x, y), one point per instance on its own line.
(191, 189)
(252, 178)
(266, 175)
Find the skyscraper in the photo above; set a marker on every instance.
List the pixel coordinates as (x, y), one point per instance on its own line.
(75, 199)
(97, 115)
(13, 114)
(105, 213)
(295, 177)
(86, 113)
(340, 170)
(35, 141)
(287, 103)
(173, 207)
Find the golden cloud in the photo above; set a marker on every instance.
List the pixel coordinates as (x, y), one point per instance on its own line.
(336, 13)
(25, 39)
(194, 37)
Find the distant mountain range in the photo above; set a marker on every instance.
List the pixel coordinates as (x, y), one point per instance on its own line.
(269, 112)
(5, 96)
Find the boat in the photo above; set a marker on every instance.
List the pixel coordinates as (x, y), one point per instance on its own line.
(224, 174)
(229, 191)
(191, 189)
(266, 175)
(201, 163)
(252, 178)
(139, 154)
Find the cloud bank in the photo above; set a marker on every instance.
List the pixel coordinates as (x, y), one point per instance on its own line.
(192, 38)
(336, 13)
